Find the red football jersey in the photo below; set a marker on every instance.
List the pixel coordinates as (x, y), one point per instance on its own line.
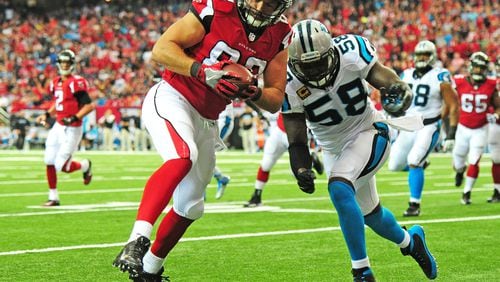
(474, 101)
(66, 103)
(226, 38)
(280, 123)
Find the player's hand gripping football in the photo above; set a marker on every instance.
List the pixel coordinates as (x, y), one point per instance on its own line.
(251, 91)
(305, 180)
(397, 99)
(217, 78)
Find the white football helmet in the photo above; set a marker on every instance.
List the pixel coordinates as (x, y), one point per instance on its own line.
(478, 67)
(259, 18)
(66, 56)
(312, 58)
(425, 55)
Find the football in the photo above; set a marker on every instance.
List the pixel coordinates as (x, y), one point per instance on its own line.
(246, 77)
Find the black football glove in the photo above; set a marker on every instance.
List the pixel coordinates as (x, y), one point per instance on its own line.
(69, 120)
(305, 180)
(397, 99)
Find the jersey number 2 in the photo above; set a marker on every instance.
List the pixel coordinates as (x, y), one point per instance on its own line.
(59, 94)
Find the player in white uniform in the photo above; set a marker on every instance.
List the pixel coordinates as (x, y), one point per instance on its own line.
(276, 145)
(328, 88)
(434, 98)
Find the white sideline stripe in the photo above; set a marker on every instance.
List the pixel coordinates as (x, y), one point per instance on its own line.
(243, 235)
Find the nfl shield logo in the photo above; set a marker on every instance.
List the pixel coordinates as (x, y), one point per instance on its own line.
(251, 37)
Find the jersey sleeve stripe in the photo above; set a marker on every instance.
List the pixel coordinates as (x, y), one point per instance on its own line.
(285, 107)
(363, 50)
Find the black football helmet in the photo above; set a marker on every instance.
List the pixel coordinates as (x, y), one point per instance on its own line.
(267, 13)
(478, 67)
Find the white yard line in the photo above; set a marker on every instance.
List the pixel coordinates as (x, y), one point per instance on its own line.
(210, 207)
(244, 235)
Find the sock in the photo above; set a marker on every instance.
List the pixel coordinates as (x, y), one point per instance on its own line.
(84, 165)
(262, 175)
(469, 183)
(151, 263)
(416, 182)
(350, 218)
(383, 222)
(141, 228)
(217, 173)
(495, 171)
(51, 176)
(362, 263)
(53, 195)
(169, 232)
(473, 171)
(160, 187)
(71, 166)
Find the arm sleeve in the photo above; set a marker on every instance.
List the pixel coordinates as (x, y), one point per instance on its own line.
(83, 98)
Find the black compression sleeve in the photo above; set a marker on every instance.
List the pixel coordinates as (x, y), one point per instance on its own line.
(83, 98)
(299, 157)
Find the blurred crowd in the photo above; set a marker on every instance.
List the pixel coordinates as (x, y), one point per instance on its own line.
(113, 41)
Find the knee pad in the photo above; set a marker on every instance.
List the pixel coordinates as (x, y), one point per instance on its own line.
(192, 211)
(396, 163)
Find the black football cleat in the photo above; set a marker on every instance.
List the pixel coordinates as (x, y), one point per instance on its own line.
(87, 175)
(420, 253)
(149, 277)
(130, 257)
(364, 274)
(466, 198)
(317, 164)
(459, 178)
(413, 209)
(52, 203)
(495, 198)
(254, 202)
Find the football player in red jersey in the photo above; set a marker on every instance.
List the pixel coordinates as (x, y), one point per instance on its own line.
(476, 93)
(72, 103)
(494, 139)
(180, 112)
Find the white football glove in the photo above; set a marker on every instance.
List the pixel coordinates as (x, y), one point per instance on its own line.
(448, 145)
(492, 118)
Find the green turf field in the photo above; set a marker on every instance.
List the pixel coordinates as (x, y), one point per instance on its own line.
(293, 237)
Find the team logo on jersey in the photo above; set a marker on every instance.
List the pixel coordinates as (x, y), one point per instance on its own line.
(251, 37)
(303, 92)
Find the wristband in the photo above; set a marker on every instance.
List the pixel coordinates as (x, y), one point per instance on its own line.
(47, 114)
(451, 132)
(195, 68)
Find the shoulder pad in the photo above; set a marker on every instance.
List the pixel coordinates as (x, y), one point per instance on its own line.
(444, 75)
(225, 6)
